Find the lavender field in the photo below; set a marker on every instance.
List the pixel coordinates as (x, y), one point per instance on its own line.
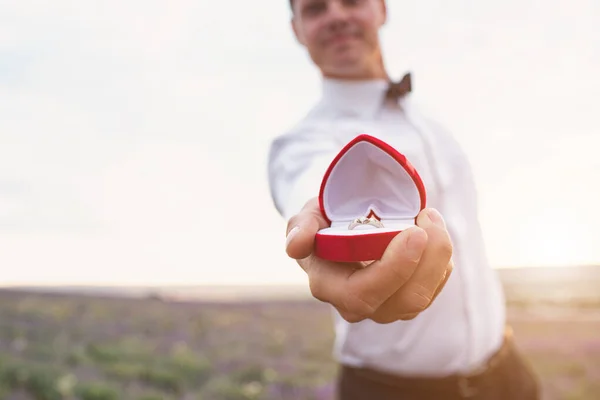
(71, 346)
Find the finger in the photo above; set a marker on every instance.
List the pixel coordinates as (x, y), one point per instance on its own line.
(367, 288)
(327, 279)
(384, 315)
(433, 268)
(441, 286)
(301, 230)
(420, 290)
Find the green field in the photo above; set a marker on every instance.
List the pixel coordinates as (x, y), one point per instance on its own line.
(93, 348)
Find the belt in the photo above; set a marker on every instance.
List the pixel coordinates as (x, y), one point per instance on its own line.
(465, 385)
(468, 383)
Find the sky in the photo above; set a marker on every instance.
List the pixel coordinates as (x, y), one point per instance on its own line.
(134, 135)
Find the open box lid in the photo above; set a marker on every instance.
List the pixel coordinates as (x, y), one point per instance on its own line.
(369, 177)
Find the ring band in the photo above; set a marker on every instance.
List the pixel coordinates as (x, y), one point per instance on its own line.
(365, 221)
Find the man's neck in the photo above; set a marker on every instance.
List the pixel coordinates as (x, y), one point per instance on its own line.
(373, 71)
(357, 77)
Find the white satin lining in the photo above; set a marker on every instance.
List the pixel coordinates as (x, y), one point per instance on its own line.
(340, 228)
(366, 179)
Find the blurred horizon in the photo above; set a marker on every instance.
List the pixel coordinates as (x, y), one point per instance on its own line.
(124, 134)
(555, 281)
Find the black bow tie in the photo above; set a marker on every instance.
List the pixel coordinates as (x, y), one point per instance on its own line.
(400, 89)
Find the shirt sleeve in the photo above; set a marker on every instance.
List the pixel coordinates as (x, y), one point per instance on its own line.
(297, 163)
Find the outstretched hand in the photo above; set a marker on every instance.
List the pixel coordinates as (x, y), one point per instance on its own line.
(404, 282)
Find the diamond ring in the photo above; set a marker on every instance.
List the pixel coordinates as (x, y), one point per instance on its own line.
(365, 221)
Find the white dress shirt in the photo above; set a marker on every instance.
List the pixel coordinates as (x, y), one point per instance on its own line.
(465, 325)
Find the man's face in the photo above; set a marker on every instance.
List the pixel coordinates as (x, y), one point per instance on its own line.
(341, 36)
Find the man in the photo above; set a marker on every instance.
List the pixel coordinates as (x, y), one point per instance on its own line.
(427, 320)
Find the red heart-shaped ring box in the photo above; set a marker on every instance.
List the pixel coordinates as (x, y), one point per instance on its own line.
(368, 178)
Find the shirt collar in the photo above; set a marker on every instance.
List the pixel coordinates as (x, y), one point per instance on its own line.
(359, 98)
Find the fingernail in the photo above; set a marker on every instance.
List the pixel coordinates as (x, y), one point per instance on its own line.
(291, 235)
(436, 217)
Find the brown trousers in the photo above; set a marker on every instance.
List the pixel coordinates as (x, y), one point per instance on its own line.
(507, 376)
